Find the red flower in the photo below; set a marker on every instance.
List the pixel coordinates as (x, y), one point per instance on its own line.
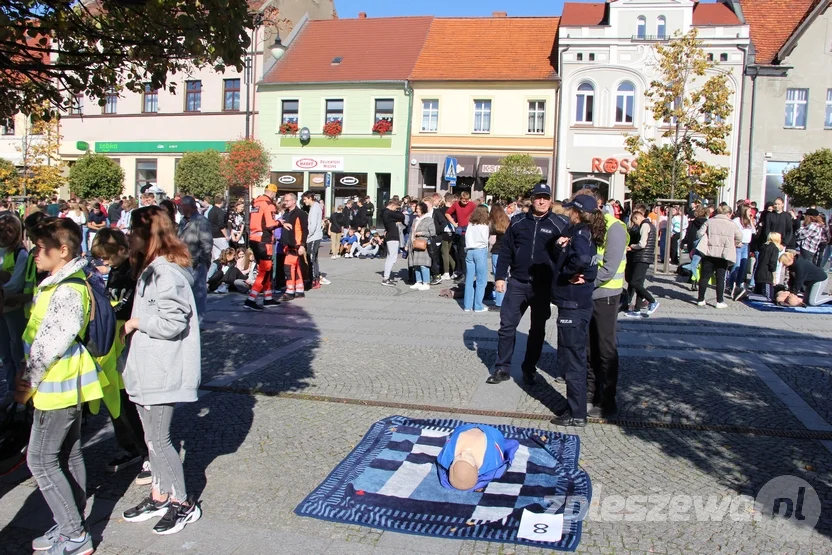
(383, 126)
(333, 128)
(289, 128)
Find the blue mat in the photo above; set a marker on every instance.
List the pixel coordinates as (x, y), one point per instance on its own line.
(767, 306)
(389, 481)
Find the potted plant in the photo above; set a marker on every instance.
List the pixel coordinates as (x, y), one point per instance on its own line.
(333, 128)
(289, 128)
(382, 127)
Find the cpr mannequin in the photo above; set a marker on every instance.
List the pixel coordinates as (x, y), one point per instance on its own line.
(473, 455)
(785, 298)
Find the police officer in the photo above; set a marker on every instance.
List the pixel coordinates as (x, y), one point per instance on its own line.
(528, 254)
(572, 294)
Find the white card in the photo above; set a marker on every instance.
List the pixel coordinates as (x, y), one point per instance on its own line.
(540, 527)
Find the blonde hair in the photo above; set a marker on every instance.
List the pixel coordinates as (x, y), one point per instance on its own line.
(787, 258)
(775, 238)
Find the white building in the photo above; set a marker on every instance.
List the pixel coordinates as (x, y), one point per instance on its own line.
(605, 53)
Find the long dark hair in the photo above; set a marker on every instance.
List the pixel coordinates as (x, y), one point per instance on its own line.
(153, 226)
(595, 219)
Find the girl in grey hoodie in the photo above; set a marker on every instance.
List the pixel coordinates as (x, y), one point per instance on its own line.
(163, 361)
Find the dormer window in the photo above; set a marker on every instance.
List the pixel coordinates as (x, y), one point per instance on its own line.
(661, 27)
(641, 31)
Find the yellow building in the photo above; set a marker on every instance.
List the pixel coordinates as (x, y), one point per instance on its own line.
(483, 88)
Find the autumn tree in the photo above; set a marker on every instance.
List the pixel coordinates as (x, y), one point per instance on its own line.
(245, 166)
(96, 175)
(9, 177)
(810, 183)
(652, 178)
(691, 97)
(516, 177)
(199, 174)
(43, 169)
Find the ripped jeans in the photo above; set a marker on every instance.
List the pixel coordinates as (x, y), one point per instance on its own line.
(165, 464)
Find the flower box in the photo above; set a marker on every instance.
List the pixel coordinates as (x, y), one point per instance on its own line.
(382, 127)
(289, 128)
(333, 128)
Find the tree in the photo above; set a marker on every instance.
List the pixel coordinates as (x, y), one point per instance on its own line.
(246, 165)
(690, 95)
(652, 178)
(96, 175)
(43, 169)
(810, 183)
(199, 174)
(51, 50)
(516, 177)
(9, 177)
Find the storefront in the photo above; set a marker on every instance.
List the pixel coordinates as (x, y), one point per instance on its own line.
(346, 186)
(288, 182)
(606, 176)
(491, 164)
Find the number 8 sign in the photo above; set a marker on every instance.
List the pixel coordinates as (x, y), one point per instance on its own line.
(540, 527)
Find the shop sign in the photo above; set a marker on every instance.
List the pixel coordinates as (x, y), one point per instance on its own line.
(488, 169)
(317, 163)
(147, 147)
(613, 165)
(349, 180)
(318, 179)
(287, 179)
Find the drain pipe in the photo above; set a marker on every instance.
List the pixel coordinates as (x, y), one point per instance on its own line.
(408, 91)
(559, 117)
(751, 130)
(744, 50)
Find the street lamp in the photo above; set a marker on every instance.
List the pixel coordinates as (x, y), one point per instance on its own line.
(278, 49)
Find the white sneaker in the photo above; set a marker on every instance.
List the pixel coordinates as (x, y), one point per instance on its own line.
(222, 289)
(415, 286)
(424, 287)
(701, 303)
(348, 255)
(325, 281)
(334, 257)
(446, 277)
(722, 305)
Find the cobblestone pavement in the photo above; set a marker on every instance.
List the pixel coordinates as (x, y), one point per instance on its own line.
(710, 407)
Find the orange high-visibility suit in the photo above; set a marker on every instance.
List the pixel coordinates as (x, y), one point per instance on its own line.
(292, 240)
(262, 222)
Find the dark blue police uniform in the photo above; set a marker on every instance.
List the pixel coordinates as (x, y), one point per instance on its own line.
(527, 259)
(574, 302)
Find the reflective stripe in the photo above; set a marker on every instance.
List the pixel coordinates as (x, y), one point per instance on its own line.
(617, 281)
(68, 385)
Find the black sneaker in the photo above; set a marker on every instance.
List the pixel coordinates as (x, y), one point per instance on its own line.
(286, 298)
(436, 280)
(176, 517)
(124, 461)
(388, 282)
(252, 305)
(300, 295)
(741, 294)
(146, 510)
(270, 303)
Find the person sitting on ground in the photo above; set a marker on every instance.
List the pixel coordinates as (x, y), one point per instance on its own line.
(224, 272)
(805, 276)
(368, 247)
(473, 455)
(347, 241)
(767, 266)
(247, 265)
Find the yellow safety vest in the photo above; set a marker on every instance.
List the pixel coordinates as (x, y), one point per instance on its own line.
(30, 282)
(617, 282)
(59, 388)
(8, 261)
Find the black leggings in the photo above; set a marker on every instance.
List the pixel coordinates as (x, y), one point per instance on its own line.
(707, 267)
(636, 284)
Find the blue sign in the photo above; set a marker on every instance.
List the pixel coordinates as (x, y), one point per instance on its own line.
(328, 182)
(450, 170)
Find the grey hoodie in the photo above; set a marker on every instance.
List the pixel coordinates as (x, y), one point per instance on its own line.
(164, 359)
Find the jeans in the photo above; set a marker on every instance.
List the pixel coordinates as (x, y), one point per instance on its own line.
(498, 297)
(602, 352)
(738, 272)
(519, 297)
(55, 445)
(392, 254)
(807, 255)
(422, 274)
(200, 290)
(12, 324)
(128, 427)
(165, 464)
(824, 257)
(709, 265)
(84, 239)
(476, 268)
(312, 249)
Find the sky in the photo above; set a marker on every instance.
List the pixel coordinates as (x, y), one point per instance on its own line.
(387, 8)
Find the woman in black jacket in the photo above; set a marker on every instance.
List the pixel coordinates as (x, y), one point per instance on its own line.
(766, 266)
(390, 217)
(335, 228)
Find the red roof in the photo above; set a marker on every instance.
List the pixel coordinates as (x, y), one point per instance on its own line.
(714, 14)
(772, 22)
(372, 49)
(489, 49)
(582, 14)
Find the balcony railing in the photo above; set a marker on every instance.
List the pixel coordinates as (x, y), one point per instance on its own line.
(650, 38)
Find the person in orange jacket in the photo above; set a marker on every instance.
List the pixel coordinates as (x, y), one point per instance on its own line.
(293, 240)
(262, 223)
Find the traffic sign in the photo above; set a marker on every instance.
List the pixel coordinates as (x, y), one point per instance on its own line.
(450, 170)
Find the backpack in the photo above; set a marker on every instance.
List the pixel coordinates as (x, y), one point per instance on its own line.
(101, 331)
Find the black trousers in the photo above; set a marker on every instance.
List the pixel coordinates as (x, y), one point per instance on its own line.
(674, 248)
(636, 284)
(519, 297)
(459, 256)
(312, 250)
(602, 352)
(435, 252)
(128, 428)
(707, 267)
(573, 333)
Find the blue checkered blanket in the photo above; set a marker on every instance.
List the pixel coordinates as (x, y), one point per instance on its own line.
(390, 481)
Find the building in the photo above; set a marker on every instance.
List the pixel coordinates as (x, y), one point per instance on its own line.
(605, 53)
(148, 133)
(352, 73)
(788, 93)
(14, 133)
(483, 88)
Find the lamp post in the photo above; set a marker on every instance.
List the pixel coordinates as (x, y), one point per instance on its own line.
(278, 50)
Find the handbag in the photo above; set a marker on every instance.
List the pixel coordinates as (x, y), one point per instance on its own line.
(420, 244)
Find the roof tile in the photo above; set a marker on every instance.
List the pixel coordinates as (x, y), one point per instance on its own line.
(714, 14)
(489, 49)
(372, 49)
(772, 22)
(583, 14)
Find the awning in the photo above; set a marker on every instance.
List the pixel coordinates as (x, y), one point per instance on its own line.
(490, 164)
(466, 165)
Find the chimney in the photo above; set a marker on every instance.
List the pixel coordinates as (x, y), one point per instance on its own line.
(499, 14)
(362, 15)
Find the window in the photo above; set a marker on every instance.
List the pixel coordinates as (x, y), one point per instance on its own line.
(796, 102)
(482, 116)
(537, 116)
(150, 100)
(77, 106)
(334, 111)
(290, 109)
(430, 116)
(661, 27)
(828, 122)
(193, 96)
(592, 56)
(641, 29)
(625, 100)
(145, 175)
(710, 56)
(774, 178)
(231, 95)
(111, 103)
(384, 109)
(7, 126)
(585, 103)
(723, 57)
(580, 56)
